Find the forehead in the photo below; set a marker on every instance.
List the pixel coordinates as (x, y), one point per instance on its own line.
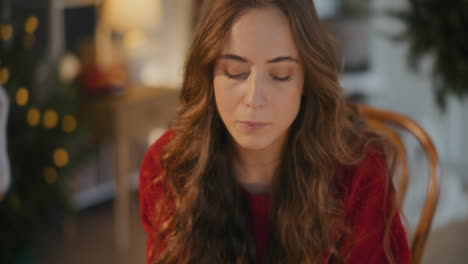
(260, 34)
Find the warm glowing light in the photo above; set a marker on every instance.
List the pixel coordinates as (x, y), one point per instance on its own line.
(6, 32)
(31, 24)
(69, 67)
(50, 119)
(33, 116)
(22, 96)
(60, 157)
(69, 123)
(4, 75)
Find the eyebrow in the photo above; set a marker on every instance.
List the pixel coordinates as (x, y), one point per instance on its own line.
(275, 60)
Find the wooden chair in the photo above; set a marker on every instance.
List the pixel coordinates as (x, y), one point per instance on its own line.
(380, 120)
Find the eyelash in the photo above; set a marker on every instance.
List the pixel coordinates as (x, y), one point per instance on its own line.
(239, 76)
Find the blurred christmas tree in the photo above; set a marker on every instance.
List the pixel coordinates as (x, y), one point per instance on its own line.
(45, 142)
(438, 28)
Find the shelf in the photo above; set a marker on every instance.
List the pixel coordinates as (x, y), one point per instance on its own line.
(101, 193)
(80, 3)
(94, 195)
(58, 3)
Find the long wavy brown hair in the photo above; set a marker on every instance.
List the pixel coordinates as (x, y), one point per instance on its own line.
(208, 223)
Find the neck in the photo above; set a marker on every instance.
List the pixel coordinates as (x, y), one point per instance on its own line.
(254, 169)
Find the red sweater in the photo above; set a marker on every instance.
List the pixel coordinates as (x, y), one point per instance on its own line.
(363, 200)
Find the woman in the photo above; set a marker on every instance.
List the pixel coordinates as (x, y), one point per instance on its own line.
(266, 162)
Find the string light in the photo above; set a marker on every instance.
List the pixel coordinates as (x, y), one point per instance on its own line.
(50, 175)
(60, 157)
(33, 116)
(50, 118)
(4, 75)
(6, 32)
(69, 123)
(31, 24)
(22, 96)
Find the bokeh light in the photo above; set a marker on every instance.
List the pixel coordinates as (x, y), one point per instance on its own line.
(60, 157)
(50, 119)
(69, 123)
(22, 96)
(33, 116)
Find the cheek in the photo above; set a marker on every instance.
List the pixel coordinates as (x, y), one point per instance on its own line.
(225, 97)
(286, 105)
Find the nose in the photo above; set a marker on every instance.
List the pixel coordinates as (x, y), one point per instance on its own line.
(254, 93)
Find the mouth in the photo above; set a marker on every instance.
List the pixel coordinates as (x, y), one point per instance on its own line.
(248, 125)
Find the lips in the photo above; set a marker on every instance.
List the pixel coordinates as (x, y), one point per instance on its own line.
(253, 124)
(250, 127)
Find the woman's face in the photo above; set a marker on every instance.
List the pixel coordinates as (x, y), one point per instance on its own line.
(258, 79)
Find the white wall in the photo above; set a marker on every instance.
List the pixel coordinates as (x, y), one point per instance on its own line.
(411, 93)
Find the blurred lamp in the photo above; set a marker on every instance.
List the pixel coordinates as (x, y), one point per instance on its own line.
(125, 15)
(132, 19)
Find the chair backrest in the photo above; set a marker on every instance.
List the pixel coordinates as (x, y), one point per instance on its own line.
(385, 121)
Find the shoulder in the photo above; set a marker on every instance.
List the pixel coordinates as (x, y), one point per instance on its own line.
(151, 188)
(151, 165)
(365, 186)
(368, 205)
(369, 174)
(156, 147)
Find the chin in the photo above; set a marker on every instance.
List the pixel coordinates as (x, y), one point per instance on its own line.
(252, 142)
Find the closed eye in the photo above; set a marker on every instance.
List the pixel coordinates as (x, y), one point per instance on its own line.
(281, 79)
(245, 75)
(236, 76)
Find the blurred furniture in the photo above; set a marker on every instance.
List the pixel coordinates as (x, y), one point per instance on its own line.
(381, 119)
(124, 120)
(133, 22)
